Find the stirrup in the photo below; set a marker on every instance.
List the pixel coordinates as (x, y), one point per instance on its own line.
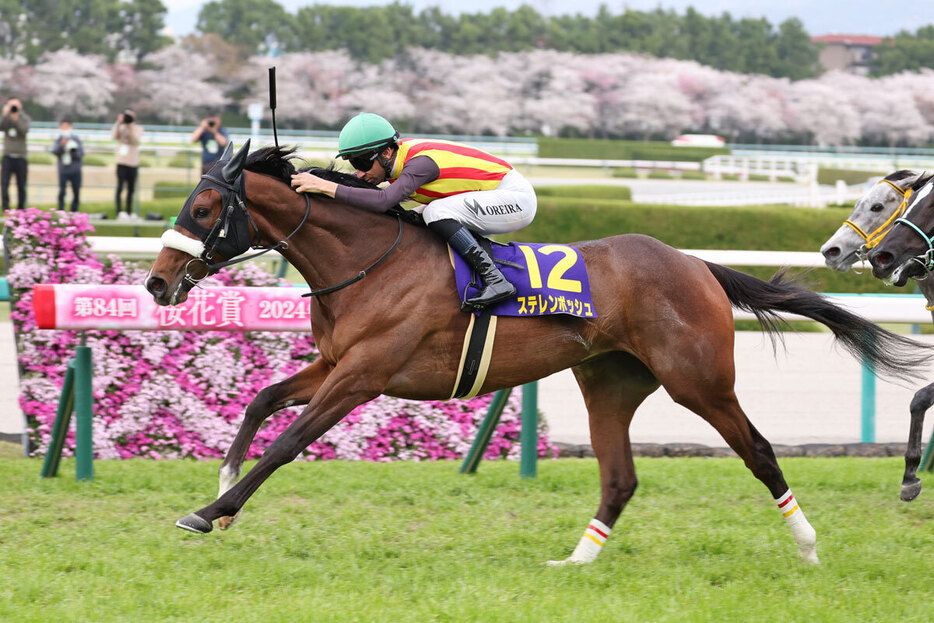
(505, 295)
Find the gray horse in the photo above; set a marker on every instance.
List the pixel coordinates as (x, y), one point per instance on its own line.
(871, 220)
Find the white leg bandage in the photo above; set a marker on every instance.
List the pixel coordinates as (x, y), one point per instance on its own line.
(589, 546)
(805, 536)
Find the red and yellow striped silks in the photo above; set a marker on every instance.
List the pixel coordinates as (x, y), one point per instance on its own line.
(463, 169)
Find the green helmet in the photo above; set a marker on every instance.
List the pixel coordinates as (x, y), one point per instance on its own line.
(365, 132)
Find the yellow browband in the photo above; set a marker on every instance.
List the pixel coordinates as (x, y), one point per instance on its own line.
(876, 237)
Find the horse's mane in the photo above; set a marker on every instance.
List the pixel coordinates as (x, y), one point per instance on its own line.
(277, 162)
(900, 175)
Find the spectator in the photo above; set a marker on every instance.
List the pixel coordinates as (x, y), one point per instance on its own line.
(70, 152)
(213, 139)
(127, 133)
(14, 124)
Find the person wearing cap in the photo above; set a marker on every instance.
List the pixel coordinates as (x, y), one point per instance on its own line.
(128, 134)
(462, 189)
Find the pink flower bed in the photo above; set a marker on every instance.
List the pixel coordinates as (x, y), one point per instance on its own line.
(168, 394)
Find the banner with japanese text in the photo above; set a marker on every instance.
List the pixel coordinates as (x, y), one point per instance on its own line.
(128, 307)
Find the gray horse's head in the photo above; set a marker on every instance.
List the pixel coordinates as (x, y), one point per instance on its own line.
(871, 218)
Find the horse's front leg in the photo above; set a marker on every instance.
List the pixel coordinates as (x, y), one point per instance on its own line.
(298, 389)
(351, 383)
(911, 484)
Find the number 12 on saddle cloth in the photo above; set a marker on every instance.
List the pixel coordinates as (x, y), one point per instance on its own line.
(550, 279)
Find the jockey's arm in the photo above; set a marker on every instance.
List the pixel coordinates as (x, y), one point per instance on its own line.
(417, 172)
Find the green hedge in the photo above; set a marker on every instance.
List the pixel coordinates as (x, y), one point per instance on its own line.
(168, 190)
(94, 161)
(623, 150)
(39, 158)
(595, 191)
(830, 176)
(185, 160)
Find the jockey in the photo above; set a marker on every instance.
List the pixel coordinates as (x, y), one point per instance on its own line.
(461, 188)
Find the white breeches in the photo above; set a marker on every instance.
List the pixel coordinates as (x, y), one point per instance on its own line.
(506, 208)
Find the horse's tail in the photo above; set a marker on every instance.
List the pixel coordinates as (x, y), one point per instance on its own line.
(890, 354)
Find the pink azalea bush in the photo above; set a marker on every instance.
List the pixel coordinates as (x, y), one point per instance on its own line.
(174, 394)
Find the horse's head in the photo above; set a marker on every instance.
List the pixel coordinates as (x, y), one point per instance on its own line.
(213, 226)
(908, 250)
(872, 219)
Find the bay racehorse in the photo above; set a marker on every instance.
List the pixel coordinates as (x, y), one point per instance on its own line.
(394, 327)
(903, 253)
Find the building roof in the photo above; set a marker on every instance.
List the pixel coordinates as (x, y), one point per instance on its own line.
(848, 39)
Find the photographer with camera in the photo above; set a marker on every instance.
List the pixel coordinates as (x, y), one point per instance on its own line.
(14, 124)
(127, 133)
(70, 152)
(213, 140)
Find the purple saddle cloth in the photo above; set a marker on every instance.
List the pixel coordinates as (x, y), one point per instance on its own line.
(550, 279)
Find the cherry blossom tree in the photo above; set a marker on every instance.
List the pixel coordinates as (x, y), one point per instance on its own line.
(748, 106)
(179, 88)
(16, 78)
(818, 112)
(309, 86)
(886, 108)
(74, 84)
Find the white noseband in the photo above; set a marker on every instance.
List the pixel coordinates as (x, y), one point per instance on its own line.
(172, 239)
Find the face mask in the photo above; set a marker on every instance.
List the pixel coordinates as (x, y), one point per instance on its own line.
(66, 133)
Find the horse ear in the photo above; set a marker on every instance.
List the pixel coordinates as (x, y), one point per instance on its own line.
(233, 168)
(228, 151)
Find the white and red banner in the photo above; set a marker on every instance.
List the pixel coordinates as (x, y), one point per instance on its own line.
(128, 307)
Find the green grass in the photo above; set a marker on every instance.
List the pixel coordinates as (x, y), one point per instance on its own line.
(336, 541)
(9, 450)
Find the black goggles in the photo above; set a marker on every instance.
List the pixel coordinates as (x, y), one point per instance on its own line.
(363, 162)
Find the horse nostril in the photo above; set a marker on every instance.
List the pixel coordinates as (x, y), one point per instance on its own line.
(832, 252)
(156, 286)
(882, 259)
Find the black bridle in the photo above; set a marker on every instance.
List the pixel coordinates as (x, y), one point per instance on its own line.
(230, 236)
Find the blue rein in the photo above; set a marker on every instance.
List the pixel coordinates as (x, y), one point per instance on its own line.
(926, 260)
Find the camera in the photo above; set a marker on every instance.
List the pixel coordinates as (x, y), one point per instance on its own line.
(210, 123)
(128, 116)
(14, 108)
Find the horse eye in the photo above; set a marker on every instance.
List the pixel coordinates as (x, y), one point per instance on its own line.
(877, 207)
(203, 212)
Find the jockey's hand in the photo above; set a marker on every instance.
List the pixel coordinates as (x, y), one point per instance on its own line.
(308, 183)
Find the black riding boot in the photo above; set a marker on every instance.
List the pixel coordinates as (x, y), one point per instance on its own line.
(495, 286)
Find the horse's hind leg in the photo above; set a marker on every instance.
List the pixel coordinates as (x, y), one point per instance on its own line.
(911, 484)
(298, 389)
(717, 404)
(613, 386)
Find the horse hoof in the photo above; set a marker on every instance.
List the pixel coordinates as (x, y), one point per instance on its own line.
(194, 523)
(227, 521)
(809, 555)
(910, 490)
(566, 561)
